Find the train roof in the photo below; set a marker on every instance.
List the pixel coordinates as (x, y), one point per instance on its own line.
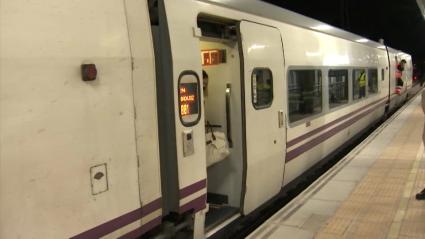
(277, 13)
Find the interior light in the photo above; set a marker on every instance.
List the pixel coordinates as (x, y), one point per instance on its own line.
(381, 47)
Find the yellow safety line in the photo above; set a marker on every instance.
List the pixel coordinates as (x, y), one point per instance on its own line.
(401, 212)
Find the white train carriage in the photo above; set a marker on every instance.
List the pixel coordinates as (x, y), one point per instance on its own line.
(78, 156)
(285, 91)
(115, 117)
(341, 107)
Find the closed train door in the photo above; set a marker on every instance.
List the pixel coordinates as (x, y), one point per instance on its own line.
(262, 80)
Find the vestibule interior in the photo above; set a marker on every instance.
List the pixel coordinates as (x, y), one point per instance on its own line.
(221, 63)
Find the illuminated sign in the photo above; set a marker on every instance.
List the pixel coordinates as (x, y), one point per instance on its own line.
(188, 99)
(213, 57)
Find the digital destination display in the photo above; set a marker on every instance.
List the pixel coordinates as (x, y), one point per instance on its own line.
(188, 98)
(213, 57)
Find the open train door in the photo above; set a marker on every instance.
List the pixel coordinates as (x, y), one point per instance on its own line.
(262, 80)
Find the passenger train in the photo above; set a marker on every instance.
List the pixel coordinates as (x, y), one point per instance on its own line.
(129, 118)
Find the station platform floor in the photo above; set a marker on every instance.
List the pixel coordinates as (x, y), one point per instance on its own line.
(370, 193)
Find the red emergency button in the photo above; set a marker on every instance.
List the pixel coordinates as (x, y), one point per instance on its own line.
(88, 72)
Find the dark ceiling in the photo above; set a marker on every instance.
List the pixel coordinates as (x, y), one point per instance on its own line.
(400, 23)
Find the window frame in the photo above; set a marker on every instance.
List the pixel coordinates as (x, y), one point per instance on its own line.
(325, 87)
(199, 100)
(369, 93)
(311, 117)
(268, 105)
(331, 109)
(382, 74)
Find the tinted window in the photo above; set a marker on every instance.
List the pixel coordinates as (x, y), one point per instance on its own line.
(338, 87)
(372, 81)
(382, 74)
(304, 94)
(262, 88)
(359, 83)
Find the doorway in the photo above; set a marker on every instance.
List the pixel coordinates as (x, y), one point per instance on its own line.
(223, 117)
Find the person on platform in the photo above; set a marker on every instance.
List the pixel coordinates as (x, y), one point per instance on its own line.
(421, 195)
(204, 80)
(399, 74)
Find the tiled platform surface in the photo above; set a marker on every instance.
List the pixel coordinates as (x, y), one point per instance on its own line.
(368, 194)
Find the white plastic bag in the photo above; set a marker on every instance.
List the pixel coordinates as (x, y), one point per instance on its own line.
(217, 147)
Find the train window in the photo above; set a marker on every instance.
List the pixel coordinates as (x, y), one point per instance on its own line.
(382, 74)
(338, 87)
(359, 83)
(372, 81)
(189, 100)
(262, 88)
(304, 94)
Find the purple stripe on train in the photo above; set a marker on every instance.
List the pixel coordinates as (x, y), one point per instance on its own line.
(318, 130)
(191, 189)
(196, 204)
(323, 137)
(142, 230)
(121, 221)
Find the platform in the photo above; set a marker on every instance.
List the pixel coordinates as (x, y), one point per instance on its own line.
(368, 194)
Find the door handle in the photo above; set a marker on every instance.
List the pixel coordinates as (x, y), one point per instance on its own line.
(280, 118)
(228, 118)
